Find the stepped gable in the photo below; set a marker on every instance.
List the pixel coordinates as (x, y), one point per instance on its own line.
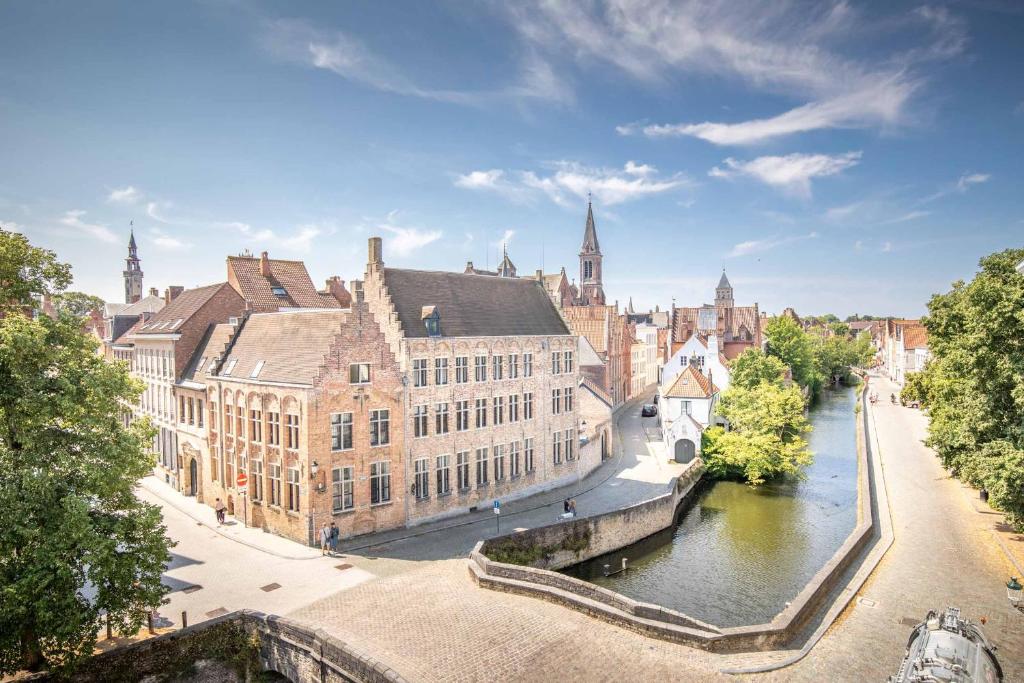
(471, 305)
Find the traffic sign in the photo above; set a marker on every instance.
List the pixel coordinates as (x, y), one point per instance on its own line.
(497, 508)
(243, 480)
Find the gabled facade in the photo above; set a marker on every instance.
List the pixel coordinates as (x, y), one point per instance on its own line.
(687, 408)
(700, 352)
(905, 348)
(737, 328)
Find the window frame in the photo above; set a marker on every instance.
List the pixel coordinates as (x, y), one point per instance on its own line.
(359, 373)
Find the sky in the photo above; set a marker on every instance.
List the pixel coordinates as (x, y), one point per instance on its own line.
(834, 157)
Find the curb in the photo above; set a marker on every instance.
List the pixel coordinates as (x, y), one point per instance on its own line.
(142, 484)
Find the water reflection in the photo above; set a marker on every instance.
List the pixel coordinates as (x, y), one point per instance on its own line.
(738, 554)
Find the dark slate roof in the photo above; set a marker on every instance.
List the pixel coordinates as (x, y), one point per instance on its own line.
(723, 283)
(170, 318)
(472, 305)
(291, 344)
(211, 347)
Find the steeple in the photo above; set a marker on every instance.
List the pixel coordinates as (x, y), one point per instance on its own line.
(629, 307)
(591, 289)
(133, 271)
(723, 292)
(723, 283)
(506, 268)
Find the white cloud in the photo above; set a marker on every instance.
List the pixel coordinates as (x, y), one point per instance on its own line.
(791, 173)
(886, 246)
(169, 242)
(155, 211)
(346, 56)
(73, 220)
(124, 195)
(841, 213)
(11, 226)
(404, 241)
(506, 239)
(568, 179)
(299, 241)
(969, 179)
(911, 216)
(757, 246)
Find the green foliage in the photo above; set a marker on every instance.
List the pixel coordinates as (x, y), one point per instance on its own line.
(77, 304)
(835, 356)
(974, 384)
(753, 366)
(765, 437)
(788, 342)
(916, 388)
(27, 272)
(75, 542)
(519, 549)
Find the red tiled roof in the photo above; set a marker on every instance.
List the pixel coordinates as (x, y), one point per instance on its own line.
(691, 384)
(256, 288)
(915, 337)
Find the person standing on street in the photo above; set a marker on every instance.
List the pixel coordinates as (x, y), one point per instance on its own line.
(572, 507)
(334, 537)
(325, 539)
(219, 507)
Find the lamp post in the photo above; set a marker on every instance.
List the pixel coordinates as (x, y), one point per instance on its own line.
(314, 468)
(1013, 591)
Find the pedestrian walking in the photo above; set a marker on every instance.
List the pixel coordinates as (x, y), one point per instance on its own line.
(335, 532)
(565, 505)
(572, 507)
(220, 509)
(325, 539)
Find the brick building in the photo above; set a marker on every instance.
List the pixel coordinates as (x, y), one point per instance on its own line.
(491, 408)
(738, 327)
(274, 284)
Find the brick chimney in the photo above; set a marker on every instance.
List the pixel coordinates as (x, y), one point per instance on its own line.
(376, 255)
(172, 292)
(153, 291)
(264, 265)
(336, 288)
(357, 291)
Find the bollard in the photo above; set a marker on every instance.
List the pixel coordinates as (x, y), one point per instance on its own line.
(149, 622)
(184, 619)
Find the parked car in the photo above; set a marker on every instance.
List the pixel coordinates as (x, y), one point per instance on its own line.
(649, 410)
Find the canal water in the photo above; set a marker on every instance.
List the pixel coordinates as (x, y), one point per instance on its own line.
(738, 554)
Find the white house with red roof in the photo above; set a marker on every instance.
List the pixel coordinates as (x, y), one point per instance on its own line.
(687, 408)
(701, 350)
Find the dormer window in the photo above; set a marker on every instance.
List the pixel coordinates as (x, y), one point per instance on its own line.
(230, 367)
(432, 321)
(279, 291)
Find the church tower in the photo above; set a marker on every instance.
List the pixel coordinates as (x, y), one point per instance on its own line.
(723, 293)
(133, 273)
(591, 289)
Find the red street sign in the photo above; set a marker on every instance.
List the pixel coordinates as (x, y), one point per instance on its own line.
(243, 479)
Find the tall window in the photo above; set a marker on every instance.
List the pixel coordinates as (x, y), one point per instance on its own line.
(567, 361)
(199, 412)
(480, 369)
(292, 435)
(588, 270)
(191, 411)
(556, 401)
(215, 463)
(293, 489)
(687, 407)
(419, 372)
(421, 478)
(499, 463)
(461, 369)
(181, 410)
(570, 449)
(462, 470)
(359, 373)
(440, 371)
(273, 428)
(481, 413)
(275, 484)
(240, 422)
(380, 482)
(528, 406)
(441, 418)
(513, 408)
(527, 365)
(497, 367)
(568, 399)
(342, 489)
(444, 484)
(513, 459)
(556, 362)
(341, 431)
(229, 420)
(481, 467)
(461, 416)
(528, 455)
(380, 421)
(499, 410)
(556, 449)
(256, 426)
(256, 479)
(513, 365)
(419, 421)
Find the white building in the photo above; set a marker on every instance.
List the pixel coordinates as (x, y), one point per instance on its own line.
(687, 409)
(702, 352)
(644, 358)
(904, 349)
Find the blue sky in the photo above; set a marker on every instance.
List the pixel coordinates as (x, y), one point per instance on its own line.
(831, 157)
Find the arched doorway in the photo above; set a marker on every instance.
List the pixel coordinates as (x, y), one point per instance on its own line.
(193, 477)
(685, 450)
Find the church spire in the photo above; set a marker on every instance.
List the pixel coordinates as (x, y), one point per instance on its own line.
(591, 288)
(133, 271)
(590, 245)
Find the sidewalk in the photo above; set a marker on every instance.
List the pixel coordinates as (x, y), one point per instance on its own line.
(161, 493)
(993, 521)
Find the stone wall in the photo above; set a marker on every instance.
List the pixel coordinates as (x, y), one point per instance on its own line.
(562, 545)
(242, 644)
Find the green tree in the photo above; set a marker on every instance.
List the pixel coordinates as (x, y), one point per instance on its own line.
(974, 384)
(76, 545)
(753, 366)
(77, 304)
(789, 343)
(765, 436)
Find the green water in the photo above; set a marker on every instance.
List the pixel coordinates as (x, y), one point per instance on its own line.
(738, 554)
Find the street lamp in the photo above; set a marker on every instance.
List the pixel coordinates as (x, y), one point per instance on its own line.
(1013, 591)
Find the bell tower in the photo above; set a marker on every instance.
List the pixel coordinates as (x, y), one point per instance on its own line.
(133, 272)
(591, 288)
